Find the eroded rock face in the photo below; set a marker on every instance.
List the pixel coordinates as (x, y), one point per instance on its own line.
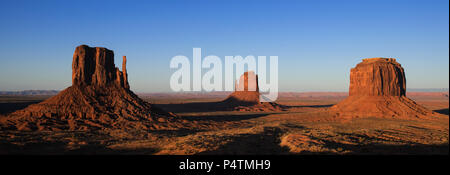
(248, 82)
(377, 77)
(95, 66)
(246, 96)
(246, 90)
(377, 89)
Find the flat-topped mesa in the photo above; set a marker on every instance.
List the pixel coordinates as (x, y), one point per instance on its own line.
(368, 60)
(377, 77)
(95, 66)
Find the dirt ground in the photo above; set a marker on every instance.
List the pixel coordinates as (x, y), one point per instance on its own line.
(304, 128)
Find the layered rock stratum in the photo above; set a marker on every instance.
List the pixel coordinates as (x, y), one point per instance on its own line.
(377, 77)
(377, 89)
(246, 96)
(99, 98)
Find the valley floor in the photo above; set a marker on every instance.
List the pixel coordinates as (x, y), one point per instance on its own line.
(304, 128)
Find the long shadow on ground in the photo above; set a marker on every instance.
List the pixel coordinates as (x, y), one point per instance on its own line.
(59, 148)
(388, 149)
(194, 107)
(265, 143)
(37, 143)
(216, 106)
(442, 111)
(225, 118)
(401, 148)
(6, 108)
(312, 106)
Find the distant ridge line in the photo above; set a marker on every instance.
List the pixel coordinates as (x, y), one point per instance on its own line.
(426, 89)
(54, 92)
(30, 92)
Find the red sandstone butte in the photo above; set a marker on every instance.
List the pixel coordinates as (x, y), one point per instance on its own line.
(246, 95)
(243, 95)
(377, 89)
(99, 98)
(378, 77)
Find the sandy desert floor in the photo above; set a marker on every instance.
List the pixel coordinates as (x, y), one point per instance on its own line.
(304, 128)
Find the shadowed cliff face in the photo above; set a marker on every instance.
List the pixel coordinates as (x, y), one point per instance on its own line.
(377, 77)
(95, 66)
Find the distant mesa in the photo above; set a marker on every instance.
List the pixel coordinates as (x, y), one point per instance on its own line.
(377, 89)
(246, 96)
(99, 98)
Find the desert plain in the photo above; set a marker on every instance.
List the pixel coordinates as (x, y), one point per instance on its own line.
(303, 127)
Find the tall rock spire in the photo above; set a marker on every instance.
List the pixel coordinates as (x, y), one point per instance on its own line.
(125, 74)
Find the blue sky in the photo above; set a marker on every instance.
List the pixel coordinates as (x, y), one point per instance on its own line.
(317, 42)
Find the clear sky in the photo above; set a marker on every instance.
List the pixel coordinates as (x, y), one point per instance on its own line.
(317, 41)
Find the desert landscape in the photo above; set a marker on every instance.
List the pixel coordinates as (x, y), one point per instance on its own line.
(99, 114)
(302, 129)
